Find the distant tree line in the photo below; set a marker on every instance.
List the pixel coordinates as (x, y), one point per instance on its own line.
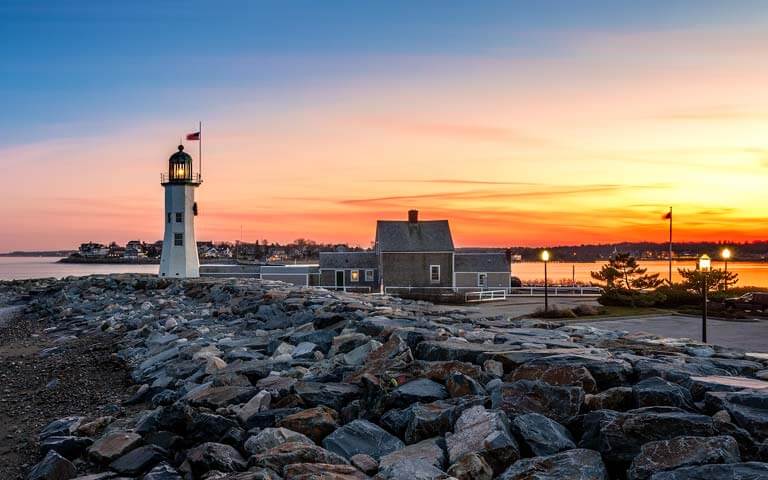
(757, 250)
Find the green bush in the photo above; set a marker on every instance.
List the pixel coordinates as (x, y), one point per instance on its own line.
(624, 298)
(677, 296)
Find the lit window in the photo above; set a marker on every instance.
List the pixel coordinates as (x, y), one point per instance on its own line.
(434, 273)
(179, 217)
(482, 279)
(354, 276)
(178, 239)
(369, 275)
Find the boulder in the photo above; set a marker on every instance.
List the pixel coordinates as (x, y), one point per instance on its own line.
(258, 403)
(460, 385)
(320, 471)
(365, 463)
(333, 395)
(362, 436)
(316, 423)
(114, 445)
(429, 452)
(214, 456)
(656, 391)
(272, 437)
(69, 447)
(162, 471)
(486, 433)
(529, 396)
(420, 390)
(578, 464)
(305, 351)
(138, 460)
(61, 428)
(426, 420)
(454, 350)
(748, 409)
(607, 371)
(655, 457)
(290, 453)
(618, 436)
(52, 467)
(620, 399)
(471, 466)
(731, 471)
(541, 436)
(556, 375)
(217, 397)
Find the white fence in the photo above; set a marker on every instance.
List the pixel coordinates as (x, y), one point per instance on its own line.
(557, 291)
(485, 296)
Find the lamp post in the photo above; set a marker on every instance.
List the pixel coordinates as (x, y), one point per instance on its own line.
(704, 266)
(726, 254)
(545, 259)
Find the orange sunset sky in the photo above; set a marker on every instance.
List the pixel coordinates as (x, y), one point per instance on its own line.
(537, 132)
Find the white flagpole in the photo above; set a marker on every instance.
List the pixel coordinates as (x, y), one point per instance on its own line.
(200, 148)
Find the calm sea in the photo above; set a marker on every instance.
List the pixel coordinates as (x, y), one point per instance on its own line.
(750, 273)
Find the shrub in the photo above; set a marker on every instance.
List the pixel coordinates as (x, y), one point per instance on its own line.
(624, 298)
(677, 296)
(515, 282)
(588, 310)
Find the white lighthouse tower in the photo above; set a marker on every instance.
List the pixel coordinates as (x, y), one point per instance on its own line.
(179, 257)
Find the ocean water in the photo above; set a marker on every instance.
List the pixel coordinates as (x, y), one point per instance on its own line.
(750, 273)
(12, 268)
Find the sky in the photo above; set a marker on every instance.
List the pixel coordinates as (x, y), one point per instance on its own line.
(530, 123)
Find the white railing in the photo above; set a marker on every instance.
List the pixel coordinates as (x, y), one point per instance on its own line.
(347, 288)
(556, 290)
(485, 296)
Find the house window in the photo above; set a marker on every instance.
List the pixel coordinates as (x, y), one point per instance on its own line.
(482, 280)
(369, 275)
(178, 239)
(169, 217)
(179, 217)
(354, 275)
(434, 273)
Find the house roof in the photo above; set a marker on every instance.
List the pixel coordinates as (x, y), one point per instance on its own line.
(481, 262)
(348, 260)
(403, 236)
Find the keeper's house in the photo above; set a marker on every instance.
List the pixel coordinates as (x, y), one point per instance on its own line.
(414, 254)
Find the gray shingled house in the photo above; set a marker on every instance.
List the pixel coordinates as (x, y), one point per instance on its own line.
(415, 254)
(350, 270)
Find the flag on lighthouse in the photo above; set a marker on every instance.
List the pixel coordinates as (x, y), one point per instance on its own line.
(193, 136)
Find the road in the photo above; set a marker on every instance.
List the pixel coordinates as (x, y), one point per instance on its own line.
(749, 336)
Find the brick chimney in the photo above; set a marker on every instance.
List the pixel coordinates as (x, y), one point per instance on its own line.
(413, 216)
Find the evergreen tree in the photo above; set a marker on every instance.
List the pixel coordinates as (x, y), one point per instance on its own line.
(622, 272)
(717, 279)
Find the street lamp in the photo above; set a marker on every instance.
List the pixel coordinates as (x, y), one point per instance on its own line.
(545, 259)
(705, 264)
(726, 254)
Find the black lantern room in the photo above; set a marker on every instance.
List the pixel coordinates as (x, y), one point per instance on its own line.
(180, 168)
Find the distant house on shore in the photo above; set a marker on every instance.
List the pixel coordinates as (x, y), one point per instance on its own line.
(93, 250)
(414, 254)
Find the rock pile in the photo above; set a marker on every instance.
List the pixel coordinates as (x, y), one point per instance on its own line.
(246, 380)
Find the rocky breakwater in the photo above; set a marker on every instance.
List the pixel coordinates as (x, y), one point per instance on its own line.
(245, 380)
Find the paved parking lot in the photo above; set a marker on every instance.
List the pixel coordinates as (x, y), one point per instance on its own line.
(749, 336)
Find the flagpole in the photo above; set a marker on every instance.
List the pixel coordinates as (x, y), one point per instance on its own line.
(200, 149)
(670, 245)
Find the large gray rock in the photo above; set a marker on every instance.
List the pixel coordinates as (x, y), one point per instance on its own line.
(114, 445)
(748, 409)
(528, 396)
(422, 459)
(362, 436)
(53, 467)
(655, 391)
(333, 395)
(138, 460)
(486, 433)
(731, 471)
(607, 371)
(618, 436)
(279, 457)
(426, 420)
(420, 390)
(660, 456)
(540, 435)
(214, 456)
(576, 464)
(272, 437)
(162, 471)
(556, 375)
(69, 446)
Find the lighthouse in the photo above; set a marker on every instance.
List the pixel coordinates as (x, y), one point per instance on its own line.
(179, 257)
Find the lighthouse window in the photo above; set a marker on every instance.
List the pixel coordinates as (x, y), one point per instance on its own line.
(179, 217)
(178, 239)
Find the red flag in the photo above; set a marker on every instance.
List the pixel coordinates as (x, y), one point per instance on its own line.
(667, 216)
(193, 136)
